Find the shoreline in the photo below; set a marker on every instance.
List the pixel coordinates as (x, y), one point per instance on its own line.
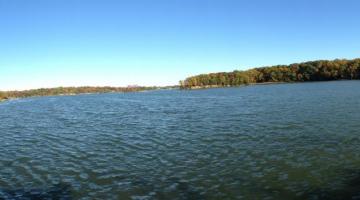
(229, 86)
(168, 88)
(310, 71)
(89, 93)
(254, 84)
(59, 95)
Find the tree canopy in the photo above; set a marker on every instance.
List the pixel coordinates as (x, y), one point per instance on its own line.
(320, 70)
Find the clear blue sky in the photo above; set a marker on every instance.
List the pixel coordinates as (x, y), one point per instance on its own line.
(47, 43)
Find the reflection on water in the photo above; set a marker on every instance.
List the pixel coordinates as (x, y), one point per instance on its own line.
(289, 141)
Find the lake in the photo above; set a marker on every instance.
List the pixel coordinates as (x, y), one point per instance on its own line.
(283, 141)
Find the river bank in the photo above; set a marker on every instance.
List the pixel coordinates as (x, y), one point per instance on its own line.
(71, 91)
(319, 70)
(226, 86)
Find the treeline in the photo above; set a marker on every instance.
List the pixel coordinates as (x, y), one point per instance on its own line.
(69, 91)
(321, 70)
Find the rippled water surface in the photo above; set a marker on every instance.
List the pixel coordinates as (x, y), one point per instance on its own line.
(287, 141)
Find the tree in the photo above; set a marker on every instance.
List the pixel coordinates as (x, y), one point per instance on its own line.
(320, 70)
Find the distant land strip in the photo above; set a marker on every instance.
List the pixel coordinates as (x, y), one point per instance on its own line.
(5, 95)
(320, 70)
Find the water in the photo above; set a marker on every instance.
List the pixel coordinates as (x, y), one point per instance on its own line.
(287, 141)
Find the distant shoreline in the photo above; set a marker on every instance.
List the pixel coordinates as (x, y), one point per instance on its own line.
(72, 91)
(162, 88)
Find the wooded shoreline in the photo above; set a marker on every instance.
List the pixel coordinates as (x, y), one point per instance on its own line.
(228, 86)
(60, 91)
(320, 70)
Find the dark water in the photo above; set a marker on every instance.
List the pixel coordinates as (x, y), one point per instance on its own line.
(288, 141)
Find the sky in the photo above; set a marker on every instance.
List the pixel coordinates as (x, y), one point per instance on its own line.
(54, 43)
